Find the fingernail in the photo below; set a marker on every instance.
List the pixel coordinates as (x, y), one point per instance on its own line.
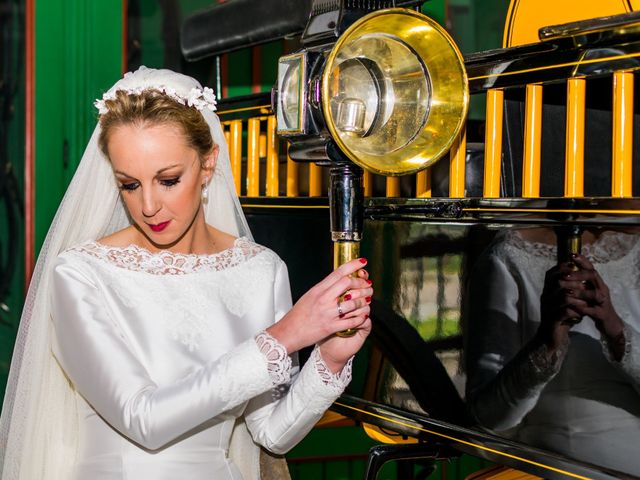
(369, 282)
(366, 316)
(368, 299)
(363, 260)
(574, 255)
(570, 292)
(347, 297)
(568, 275)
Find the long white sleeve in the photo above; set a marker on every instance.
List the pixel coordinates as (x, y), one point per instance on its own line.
(504, 378)
(280, 418)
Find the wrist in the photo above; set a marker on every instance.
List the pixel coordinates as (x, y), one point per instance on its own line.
(279, 332)
(332, 364)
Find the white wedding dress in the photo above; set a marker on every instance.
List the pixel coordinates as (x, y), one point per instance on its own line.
(586, 405)
(160, 350)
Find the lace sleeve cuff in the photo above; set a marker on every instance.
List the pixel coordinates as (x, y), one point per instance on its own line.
(278, 362)
(630, 361)
(337, 381)
(544, 366)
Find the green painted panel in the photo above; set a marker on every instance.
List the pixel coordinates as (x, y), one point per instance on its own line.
(436, 9)
(78, 52)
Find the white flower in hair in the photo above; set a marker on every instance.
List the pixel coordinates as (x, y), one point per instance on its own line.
(183, 89)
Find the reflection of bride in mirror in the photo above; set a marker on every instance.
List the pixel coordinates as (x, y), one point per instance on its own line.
(553, 355)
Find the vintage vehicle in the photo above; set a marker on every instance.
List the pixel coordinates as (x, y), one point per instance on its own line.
(458, 247)
(530, 156)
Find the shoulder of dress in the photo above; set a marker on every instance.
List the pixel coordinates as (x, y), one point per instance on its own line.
(252, 249)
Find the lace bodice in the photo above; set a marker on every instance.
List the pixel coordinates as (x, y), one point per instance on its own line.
(139, 259)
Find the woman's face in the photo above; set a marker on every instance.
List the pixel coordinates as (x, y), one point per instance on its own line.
(160, 177)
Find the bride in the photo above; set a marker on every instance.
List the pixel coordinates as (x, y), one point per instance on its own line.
(158, 340)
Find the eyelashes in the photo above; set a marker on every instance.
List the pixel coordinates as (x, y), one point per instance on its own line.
(129, 187)
(170, 182)
(167, 182)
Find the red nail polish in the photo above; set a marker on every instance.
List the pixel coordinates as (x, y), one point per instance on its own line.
(347, 297)
(369, 282)
(363, 260)
(368, 299)
(366, 316)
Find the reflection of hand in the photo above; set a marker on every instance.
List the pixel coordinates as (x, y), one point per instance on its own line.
(593, 299)
(316, 316)
(557, 308)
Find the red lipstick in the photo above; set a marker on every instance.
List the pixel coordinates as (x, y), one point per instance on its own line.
(159, 226)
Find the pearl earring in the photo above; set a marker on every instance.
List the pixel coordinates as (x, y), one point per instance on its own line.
(205, 194)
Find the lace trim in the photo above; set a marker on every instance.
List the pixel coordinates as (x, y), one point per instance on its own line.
(545, 366)
(607, 247)
(278, 361)
(626, 338)
(337, 381)
(139, 259)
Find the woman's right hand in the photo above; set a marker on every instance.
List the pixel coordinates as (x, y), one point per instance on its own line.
(558, 312)
(320, 314)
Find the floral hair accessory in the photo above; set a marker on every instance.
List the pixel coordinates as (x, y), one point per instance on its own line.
(184, 90)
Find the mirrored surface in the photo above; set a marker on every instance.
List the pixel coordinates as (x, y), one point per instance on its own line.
(537, 351)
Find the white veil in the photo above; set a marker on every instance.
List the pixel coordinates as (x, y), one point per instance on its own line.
(38, 430)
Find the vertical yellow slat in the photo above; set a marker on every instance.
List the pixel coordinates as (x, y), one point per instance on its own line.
(574, 154)
(368, 183)
(253, 157)
(272, 158)
(423, 183)
(292, 177)
(262, 151)
(393, 187)
(532, 139)
(315, 180)
(235, 152)
(621, 167)
(493, 143)
(458, 154)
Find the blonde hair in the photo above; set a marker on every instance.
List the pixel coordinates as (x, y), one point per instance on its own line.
(151, 107)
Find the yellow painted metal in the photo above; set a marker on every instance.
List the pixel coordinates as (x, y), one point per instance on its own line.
(262, 145)
(292, 177)
(497, 472)
(532, 141)
(526, 17)
(621, 167)
(368, 183)
(379, 435)
(253, 157)
(315, 180)
(334, 419)
(393, 187)
(574, 153)
(272, 158)
(493, 143)
(235, 152)
(457, 165)
(423, 183)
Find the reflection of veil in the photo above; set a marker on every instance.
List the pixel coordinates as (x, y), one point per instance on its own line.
(38, 431)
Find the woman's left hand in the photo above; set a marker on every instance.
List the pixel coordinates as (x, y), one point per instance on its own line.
(337, 350)
(588, 286)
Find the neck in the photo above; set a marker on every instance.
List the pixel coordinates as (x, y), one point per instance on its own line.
(198, 239)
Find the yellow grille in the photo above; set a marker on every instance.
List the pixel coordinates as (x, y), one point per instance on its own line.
(260, 170)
